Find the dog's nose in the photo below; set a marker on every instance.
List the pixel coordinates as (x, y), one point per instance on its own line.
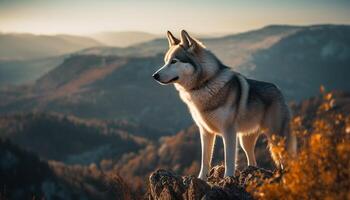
(156, 76)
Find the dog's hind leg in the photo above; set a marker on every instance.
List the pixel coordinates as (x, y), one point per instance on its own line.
(276, 123)
(229, 139)
(207, 142)
(237, 153)
(248, 145)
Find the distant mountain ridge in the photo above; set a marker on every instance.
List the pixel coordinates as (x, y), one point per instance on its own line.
(223, 46)
(18, 46)
(26, 57)
(123, 39)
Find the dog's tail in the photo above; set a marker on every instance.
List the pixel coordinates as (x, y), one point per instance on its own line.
(290, 144)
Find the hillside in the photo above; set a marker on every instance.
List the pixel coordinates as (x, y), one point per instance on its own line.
(15, 46)
(72, 140)
(123, 39)
(25, 176)
(17, 72)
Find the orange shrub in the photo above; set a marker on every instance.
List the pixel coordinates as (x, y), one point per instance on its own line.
(321, 170)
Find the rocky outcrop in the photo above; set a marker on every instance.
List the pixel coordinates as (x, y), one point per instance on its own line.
(165, 184)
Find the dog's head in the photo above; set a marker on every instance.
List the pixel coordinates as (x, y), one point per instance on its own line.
(182, 60)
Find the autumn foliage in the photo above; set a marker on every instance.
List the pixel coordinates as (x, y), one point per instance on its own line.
(321, 170)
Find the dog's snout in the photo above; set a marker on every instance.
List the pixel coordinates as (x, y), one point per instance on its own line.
(156, 76)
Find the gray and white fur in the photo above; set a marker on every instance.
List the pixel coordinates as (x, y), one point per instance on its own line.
(225, 103)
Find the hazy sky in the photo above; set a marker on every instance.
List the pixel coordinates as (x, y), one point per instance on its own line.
(157, 16)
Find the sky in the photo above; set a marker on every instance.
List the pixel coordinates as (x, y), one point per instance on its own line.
(156, 16)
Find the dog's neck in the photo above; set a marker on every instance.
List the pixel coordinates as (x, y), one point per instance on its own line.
(211, 77)
(208, 89)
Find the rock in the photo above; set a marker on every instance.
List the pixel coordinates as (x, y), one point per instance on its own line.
(165, 184)
(251, 173)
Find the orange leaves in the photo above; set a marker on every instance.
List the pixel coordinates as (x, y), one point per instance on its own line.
(328, 177)
(328, 96)
(343, 150)
(322, 168)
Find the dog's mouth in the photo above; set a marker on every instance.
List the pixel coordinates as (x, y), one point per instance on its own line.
(172, 80)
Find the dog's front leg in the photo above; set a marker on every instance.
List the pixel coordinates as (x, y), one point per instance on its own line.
(207, 142)
(229, 139)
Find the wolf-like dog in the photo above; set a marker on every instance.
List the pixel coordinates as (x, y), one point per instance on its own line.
(224, 102)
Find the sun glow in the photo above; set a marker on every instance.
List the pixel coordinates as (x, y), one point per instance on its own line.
(84, 17)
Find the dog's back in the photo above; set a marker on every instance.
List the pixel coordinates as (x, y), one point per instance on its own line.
(276, 113)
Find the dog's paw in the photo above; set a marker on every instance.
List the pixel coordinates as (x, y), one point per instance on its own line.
(202, 177)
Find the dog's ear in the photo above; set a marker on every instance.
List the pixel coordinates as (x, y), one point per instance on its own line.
(187, 41)
(171, 39)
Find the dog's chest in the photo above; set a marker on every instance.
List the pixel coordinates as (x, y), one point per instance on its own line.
(213, 120)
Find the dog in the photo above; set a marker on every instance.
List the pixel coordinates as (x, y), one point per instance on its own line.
(225, 103)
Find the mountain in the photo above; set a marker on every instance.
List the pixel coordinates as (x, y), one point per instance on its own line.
(300, 63)
(17, 46)
(116, 83)
(26, 57)
(123, 39)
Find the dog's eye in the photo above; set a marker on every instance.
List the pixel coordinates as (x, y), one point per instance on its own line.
(173, 61)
